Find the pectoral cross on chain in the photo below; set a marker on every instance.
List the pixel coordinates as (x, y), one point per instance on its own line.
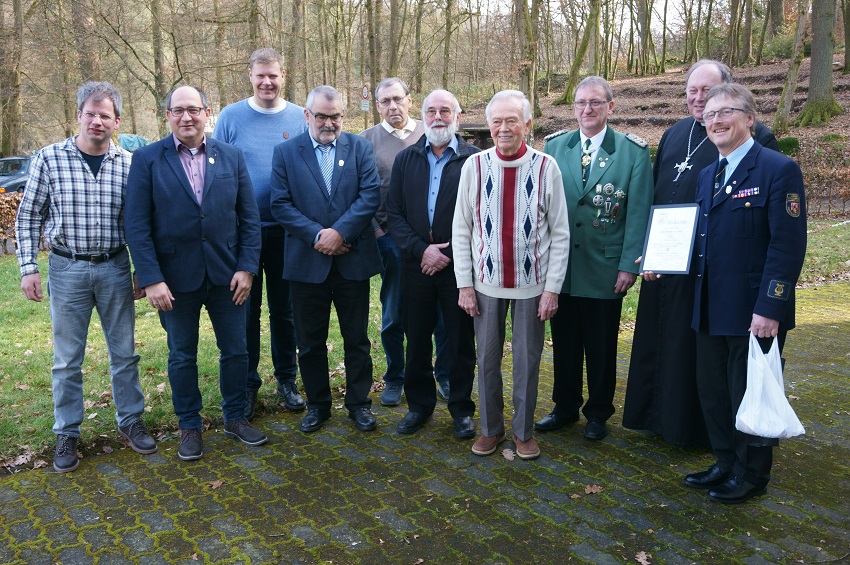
(682, 167)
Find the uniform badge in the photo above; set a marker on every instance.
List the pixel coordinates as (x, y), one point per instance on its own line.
(792, 204)
(286, 135)
(636, 139)
(781, 290)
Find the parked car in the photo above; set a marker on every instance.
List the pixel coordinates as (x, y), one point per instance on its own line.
(13, 174)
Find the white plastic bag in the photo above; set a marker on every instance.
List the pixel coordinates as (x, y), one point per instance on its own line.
(764, 410)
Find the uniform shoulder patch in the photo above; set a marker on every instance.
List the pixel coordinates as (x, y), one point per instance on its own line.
(792, 204)
(556, 134)
(636, 139)
(780, 290)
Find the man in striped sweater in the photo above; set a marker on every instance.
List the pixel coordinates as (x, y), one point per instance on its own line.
(511, 244)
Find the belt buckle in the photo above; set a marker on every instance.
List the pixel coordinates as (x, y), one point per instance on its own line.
(99, 258)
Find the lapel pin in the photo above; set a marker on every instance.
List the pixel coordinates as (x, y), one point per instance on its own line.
(728, 189)
(341, 162)
(212, 161)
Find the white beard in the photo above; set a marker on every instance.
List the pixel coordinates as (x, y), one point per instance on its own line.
(442, 135)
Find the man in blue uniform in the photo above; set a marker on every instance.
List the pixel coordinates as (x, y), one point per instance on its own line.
(750, 245)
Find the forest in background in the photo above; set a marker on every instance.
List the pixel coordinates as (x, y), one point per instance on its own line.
(472, 47)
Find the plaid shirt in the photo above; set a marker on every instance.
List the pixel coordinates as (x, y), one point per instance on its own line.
(79, 213)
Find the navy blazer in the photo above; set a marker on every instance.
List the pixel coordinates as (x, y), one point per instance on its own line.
(174, 239)
(750, 244)
(302, 205)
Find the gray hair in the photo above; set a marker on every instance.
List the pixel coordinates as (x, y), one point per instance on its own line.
(596, 81)
(737, 92)
(265, 55)
(440, 91)
(329, 93)
(515, 94)
(722, 68)
(97, 91)
(389, 81)
(200, 92)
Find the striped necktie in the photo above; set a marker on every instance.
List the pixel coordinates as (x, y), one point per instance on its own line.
(326, 165)
(720, 176)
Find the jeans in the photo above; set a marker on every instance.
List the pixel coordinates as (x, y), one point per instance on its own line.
(281, 325)
(75, 288)
(181, 325)
(392, 327)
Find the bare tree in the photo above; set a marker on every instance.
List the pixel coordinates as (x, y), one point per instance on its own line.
(780, 121)
(845, 15)
(591, 28)
(11, 104)
(821, 105)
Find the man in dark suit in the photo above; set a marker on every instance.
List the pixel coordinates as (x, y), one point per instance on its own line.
(325, 191)
(194, 234)
(420, 210)
(749, 249)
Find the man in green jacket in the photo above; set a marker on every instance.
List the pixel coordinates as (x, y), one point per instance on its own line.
(609, 191)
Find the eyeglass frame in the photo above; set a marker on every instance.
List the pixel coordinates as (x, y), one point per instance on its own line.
(444, 112)
(323, 118)
(193, 111)
(594, 104)
(722, 112)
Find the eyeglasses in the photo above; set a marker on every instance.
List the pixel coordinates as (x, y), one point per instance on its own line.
(722, 113)
(191, 110)
(322, 118)
(580, 104)
(444, 112)
(103, 117)
(397, 99)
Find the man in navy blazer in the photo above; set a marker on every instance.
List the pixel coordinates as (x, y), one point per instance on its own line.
(749, 250)
(325, 191)
(194, 233)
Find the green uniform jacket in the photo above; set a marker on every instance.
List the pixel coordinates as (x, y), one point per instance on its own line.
(608, 215)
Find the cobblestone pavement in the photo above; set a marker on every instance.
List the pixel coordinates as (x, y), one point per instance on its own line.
(342, 496)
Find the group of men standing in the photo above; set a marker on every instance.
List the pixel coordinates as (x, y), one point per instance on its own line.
(280, 194)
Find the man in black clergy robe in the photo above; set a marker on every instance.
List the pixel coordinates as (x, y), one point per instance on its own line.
(661, 393)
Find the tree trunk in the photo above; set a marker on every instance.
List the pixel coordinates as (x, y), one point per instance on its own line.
(293, 47)
(777, 16)
(84, 29)
(821, 105)
(254, 25)
(707, 49)
(11, 105)
(845, 10)
(732, 44)
(760, 50)
(417, 46)
(220, 82)
(395, 36)
(528, 34)
(591, 28)
(447, 41)
(663, 68)
(159, 66)
(746, 54)
(780, 121)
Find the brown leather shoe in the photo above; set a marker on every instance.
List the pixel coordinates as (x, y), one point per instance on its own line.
(527, 449)
(486, 445)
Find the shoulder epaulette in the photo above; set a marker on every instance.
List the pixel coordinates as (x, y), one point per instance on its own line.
(556, 134)
(636, 139)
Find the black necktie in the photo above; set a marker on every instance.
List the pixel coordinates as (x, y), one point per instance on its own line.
(720, 176)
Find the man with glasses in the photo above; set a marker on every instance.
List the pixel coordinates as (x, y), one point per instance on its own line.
(255, 125)
(661, 390)
(396, 132)
(423, 192)
(608, 184)
(194, 230)
(748, 252)
(75, 194)
(325, 191)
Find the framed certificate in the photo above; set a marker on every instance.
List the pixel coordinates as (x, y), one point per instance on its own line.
(670, 239)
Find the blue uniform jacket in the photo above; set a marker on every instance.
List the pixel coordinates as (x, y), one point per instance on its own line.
(750, 244)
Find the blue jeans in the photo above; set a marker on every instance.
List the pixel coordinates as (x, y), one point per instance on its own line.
(281, 325)
(392, 324)
(75, 288)
(181, 325)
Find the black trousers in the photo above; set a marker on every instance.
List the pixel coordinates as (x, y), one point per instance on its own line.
(311, 305)
(721, 383)
(585, 329)
(422, 295)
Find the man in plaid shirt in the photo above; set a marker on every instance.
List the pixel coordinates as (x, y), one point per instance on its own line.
(75, 192)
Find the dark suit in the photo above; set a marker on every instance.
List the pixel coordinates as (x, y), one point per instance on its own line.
(301, 203)
(413, 232)
(195, 249)
(750, 245)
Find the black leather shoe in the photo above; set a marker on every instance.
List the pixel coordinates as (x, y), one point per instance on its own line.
(313, 419)
(595, 429)
(553, 421)
(251, 409)
(363, 418)
(412, 421)
(291, 398)
(709, 478)
(735, 491)
(464, 427)
(65, 460)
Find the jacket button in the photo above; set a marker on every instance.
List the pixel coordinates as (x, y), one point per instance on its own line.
(577, 245)
(581, 203)
(747, 205)
(578, 224)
